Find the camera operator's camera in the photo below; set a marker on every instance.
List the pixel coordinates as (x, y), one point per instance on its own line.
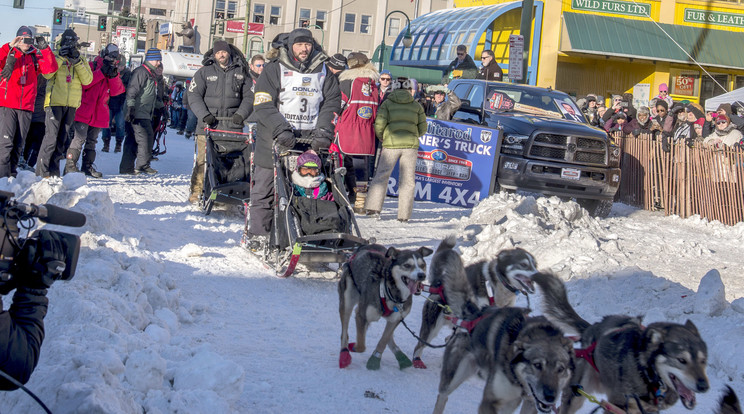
(15, 251)
(623, 104)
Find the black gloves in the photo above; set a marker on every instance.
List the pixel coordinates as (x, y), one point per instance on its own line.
(41, 261)
(130, 114)
(285, 141)
(636, 132)
(41, 42)
(9, 65)
(237, 119)
(74, 57)
(665, 144)
(322, 139)
(109, 70)
(210, 120)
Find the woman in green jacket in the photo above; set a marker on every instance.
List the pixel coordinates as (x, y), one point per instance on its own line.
(399, 124)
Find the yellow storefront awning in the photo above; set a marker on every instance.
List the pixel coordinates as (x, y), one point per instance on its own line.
(643, 39)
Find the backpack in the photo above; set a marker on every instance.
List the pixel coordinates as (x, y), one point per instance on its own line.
(355, 129)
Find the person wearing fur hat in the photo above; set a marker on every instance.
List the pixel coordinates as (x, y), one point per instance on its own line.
(641, 124)
(221, 97)
(355, 129)
(399, 124)
(63, 97)
(725, 135)
(20, 64)
(294, 97)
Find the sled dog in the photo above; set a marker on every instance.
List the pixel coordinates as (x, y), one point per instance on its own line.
(483, 283)
(380, 282)
(629, 363)
(522, 360)
(729, 403)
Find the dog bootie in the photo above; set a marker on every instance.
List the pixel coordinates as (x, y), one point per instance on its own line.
(418, 363)
(403, 361)
(344, 359)
(373, 363)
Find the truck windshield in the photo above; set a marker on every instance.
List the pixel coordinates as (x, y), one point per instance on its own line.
(503, 98)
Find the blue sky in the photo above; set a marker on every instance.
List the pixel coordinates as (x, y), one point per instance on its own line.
(35, 12)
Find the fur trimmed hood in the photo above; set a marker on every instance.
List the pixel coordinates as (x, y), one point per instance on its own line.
(366, 71)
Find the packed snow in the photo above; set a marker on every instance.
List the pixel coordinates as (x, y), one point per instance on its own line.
(168, 314)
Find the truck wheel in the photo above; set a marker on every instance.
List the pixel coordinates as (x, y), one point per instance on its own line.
(596, 208)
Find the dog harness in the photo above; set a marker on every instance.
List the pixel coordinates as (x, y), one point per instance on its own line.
(587, 354)
(431, 290)
(461, 323)
(386, 311)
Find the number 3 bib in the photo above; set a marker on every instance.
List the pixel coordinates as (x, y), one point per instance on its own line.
(301, 96)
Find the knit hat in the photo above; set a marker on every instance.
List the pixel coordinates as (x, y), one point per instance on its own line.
(337, 61)
(621, 115)
(220, 45)
(663, 88)
(153, 54)
(700, 121)
(357, 59)
(590, 98)
(696, 109)
(24, 31)
(308, 159)
(663, 103)
(725, 106)
(300, 36)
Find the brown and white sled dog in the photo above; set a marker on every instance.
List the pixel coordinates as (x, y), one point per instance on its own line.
(381, 281)
(654, 365)
(467, 290)
(523, 360)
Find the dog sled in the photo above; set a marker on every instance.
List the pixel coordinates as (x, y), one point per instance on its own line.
(227, 177)
(299, 234)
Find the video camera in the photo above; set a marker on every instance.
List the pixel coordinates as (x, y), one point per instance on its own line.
(15, 216)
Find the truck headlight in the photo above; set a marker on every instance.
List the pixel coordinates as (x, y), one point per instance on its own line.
(514, 144)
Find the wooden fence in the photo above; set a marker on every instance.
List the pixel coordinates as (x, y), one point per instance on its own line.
(684, 181)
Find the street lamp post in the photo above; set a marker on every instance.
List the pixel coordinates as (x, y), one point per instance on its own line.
(407, 38)
(260, 40)
(322, 33)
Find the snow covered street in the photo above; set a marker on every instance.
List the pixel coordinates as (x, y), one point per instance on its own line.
(168, 314)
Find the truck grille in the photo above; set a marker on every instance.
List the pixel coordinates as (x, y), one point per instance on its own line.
(571, 149)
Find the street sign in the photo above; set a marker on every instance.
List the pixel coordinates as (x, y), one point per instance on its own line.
(80, 12)
(516, 55)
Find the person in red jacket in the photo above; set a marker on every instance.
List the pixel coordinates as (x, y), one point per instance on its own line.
(20, 63)
(93, 113)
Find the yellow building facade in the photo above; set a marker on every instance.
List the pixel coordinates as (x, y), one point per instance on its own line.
(610, 47)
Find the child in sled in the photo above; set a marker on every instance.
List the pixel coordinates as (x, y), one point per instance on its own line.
(313, 197)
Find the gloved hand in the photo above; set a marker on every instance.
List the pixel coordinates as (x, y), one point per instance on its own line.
(130, 114)
(636, 132)
(9, 65)
(41, 42)
(286, 141)
(109, 70)
(665, 145)
(322, 139)
(237, 119)
(64, 52)
(41, 261)
(74, 57)
(210, 120)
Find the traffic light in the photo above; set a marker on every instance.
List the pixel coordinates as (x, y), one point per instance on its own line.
(222, 27)
(18, 4)
(58, 16)
(101, 23)
(213, 29)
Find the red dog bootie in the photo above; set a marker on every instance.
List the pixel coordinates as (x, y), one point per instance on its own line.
(418, 363)
(344, 359)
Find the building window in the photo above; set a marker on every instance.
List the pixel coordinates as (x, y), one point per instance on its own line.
(219, 9)
(365, 22)
(232, 7)
(158, 12)
(346, 52)
(276, 15)
(258, 13)
(304, 20)
(393, 26)
(320, 18)
(254, 47)
(349, 22)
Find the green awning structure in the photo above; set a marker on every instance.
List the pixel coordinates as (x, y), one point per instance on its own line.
(643, 39)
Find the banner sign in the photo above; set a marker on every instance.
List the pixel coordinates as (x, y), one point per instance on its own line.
(456, 163)
(615, 7)
(235, 26)
(706, 16)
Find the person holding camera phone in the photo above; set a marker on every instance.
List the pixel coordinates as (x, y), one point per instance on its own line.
(20, 63)
(63, 97)
(34, 270)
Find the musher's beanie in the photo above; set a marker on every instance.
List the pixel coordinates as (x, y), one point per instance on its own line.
(153, 54)
(221, 45)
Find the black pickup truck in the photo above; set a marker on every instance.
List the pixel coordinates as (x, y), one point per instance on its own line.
(547, 147)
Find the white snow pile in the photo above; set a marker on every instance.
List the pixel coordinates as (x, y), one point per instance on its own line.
(111, 334)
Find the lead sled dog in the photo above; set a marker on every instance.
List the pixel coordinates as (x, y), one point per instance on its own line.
(653, 366)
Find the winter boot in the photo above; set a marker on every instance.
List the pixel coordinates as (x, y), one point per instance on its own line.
(70, 167)
(106, 143)
(90, 171)
(88, 157)
(117, 148)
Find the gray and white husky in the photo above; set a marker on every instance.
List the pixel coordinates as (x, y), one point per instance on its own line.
(653, 366)
(380, 281)
(466, 290)
(523, 360)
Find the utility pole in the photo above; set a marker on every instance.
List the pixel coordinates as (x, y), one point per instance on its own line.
(137, 26)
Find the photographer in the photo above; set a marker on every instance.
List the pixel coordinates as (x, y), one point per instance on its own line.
(20, 64)
(22, 326)
(63, 96)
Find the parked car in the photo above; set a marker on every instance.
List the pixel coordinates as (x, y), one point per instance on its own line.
(547, 147)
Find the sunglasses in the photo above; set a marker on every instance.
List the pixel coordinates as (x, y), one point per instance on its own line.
(386, 79)
(308, 171)
(661, 110)
(460, 54)
(485, 57)
(721, 122)
(664, 92)
(259, 65)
